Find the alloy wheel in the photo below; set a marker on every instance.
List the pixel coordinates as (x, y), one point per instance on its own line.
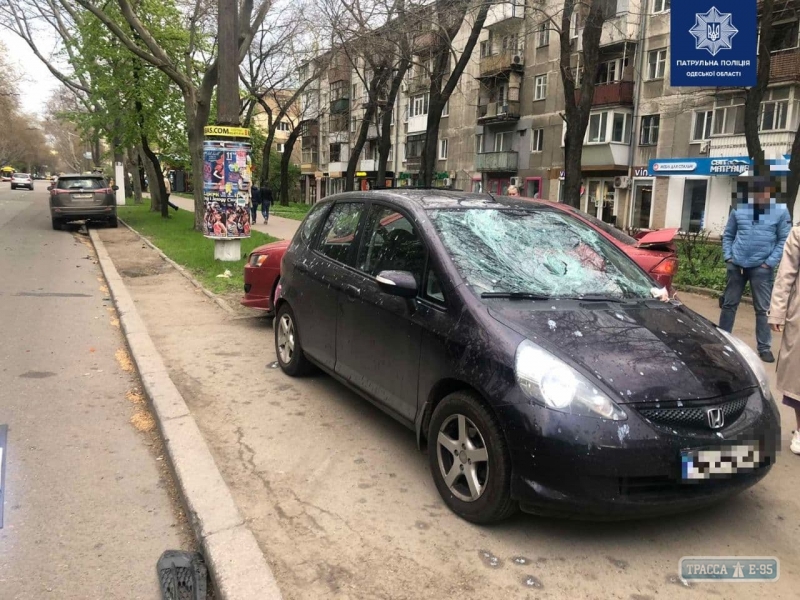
(463, 457)
(286, 339)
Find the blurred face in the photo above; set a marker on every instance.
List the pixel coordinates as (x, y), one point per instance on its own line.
(762, 193)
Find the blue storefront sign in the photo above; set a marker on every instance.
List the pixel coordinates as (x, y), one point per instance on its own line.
(713, 43)
(732, 167)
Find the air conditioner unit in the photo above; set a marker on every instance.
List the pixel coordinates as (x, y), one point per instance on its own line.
(704, 148)
(622, 183)
(446, 182)
(517, 60)
(516, 181)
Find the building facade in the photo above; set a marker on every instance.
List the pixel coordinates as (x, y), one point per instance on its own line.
(654, 156)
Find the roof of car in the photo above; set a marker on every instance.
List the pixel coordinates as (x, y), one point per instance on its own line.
(83, 175)
(432, 198)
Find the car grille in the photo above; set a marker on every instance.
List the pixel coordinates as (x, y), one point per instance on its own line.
(693, 417)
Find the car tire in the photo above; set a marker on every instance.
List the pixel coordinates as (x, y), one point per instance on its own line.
(113, 223)
(13, 187)
(57, 224)
(470, 429)
(288, 348)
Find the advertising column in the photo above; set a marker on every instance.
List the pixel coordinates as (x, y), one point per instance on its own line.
(227, 180)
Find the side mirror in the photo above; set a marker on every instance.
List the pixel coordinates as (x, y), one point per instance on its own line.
(397, 283)
(115, 187)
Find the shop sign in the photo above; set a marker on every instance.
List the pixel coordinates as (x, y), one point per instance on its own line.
(641, 172)
(222, 131)
(731, 167)
(713, 43)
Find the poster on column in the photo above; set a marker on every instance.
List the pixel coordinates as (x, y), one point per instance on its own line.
(713, 43)
(227, 177)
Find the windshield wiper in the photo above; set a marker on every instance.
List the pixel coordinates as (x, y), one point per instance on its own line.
(515, 295)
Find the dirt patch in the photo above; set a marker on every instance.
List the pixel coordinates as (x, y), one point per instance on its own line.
(142, 420)
(124, 360)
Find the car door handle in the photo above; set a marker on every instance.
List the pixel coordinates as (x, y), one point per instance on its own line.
(353, 293)
(301, 268)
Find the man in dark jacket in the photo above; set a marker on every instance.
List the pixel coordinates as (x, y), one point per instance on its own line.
(266, 202)
(752, 246)
(255, 200)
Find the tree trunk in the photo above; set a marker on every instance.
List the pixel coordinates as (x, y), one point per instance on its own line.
(264, 176)
(577, 111)
(794, 175)
(441, 91)
(285, 159)
(158, 191)
(375, 86)
(385, 142)
(152, 175)
(755, 94)
(134, 162)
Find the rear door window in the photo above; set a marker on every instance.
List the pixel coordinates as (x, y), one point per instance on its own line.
(339, 232)
(391, 244)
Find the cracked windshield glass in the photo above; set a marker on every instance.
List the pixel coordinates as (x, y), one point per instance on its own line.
(536, 252)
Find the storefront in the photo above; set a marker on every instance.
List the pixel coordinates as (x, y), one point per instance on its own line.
(700, 191)
(368, 180)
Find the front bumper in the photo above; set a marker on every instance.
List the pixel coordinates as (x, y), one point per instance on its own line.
(590, 468)
(259, 283)
(77, 213)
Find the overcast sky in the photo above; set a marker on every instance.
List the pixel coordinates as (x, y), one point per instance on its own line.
(39, 83)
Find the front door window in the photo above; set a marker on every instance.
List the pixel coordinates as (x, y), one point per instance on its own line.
(390, 244)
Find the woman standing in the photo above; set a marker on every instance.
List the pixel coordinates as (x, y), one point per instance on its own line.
(784, 315)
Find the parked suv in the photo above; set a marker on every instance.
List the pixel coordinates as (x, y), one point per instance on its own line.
(82, 197)
(24, 180)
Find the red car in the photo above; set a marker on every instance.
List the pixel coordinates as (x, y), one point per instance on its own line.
(654, 251)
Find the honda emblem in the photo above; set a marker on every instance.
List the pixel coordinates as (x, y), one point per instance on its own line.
(716, 418)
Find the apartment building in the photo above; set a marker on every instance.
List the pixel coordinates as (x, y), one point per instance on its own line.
(285, 126)
(654, 156)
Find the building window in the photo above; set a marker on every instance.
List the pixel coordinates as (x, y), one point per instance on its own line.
(419, 105)
(597, 127)
(784, 36)
(390, 155)
(446, 109)
(621, 128)
(352, 124)
(335, 152)
(338, 90)
(611, 71)
(660, 6)
(502, 141)
(414, 145)
(656, 63)
(478, 143)
(650, 124)
(702, 125)
(284, 126)
(540, 87)
(729, 117)
(280, 147)
(442, 149)
(543, 35)
(774, 109)
(537, 140)
(694, 205)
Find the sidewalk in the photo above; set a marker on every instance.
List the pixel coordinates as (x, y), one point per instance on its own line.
(278, 227)
(342, 504)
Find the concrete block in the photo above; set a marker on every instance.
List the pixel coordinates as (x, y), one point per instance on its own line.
(164, 396)
(238, 566)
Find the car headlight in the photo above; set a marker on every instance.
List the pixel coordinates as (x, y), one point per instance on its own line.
(256, 260)
(752, 359)
(552, 382)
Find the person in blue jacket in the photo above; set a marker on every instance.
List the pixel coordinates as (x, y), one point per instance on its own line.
(752, 246)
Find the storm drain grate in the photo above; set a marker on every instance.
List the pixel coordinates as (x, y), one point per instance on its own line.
(182, 575)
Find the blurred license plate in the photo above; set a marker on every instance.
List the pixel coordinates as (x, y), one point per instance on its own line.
(719, 462)
(82, 196)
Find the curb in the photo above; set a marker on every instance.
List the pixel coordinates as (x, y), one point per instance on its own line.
(693, 289)
(182, 270)
(232, 554)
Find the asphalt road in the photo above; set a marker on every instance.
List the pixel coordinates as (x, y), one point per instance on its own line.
(89, 502)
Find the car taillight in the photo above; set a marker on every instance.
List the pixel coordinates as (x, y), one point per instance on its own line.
(668, 266)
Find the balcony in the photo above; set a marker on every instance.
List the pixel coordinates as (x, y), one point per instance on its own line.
(339, 137)
(337, 169)
(607, 94)
(488, 162)
(507, 60)
(502, 12)
(418, 84)
(424, 41)
(774, 143)
(609, 155)
(368, 165)
(785, 66)
(341, 105)
(496, 112)
(309, 161)
(339, 73)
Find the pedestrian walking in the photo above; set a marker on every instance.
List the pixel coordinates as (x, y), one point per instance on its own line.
(255, 201)
(266, 202)
(752, 246)
(784, 316)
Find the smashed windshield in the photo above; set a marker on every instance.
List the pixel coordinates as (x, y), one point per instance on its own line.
(536, 252)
